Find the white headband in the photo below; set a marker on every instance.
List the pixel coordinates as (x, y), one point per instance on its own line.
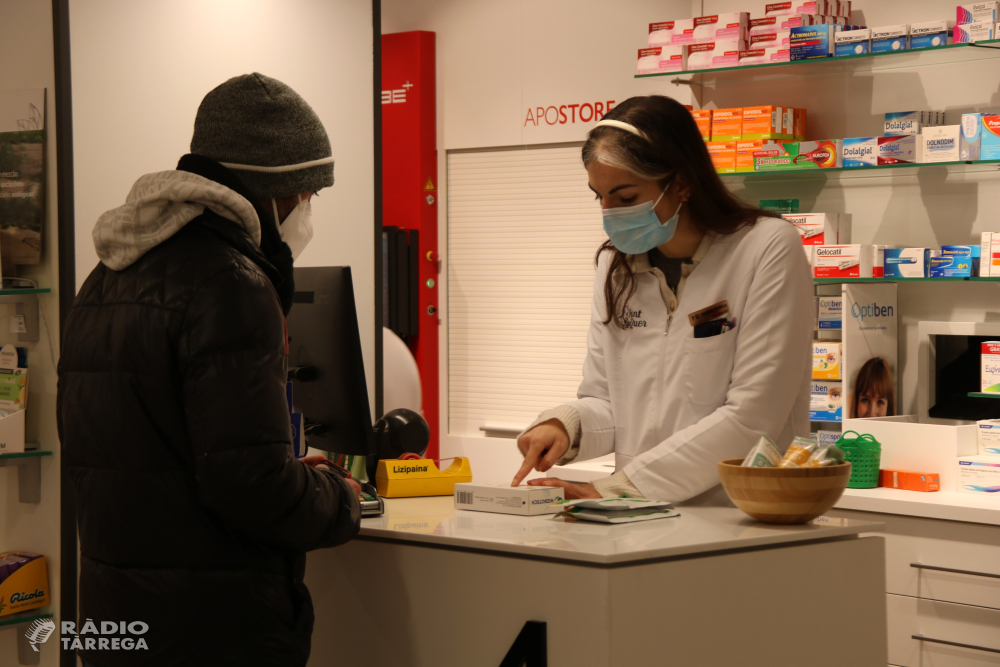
(281, 169)
(623, 126)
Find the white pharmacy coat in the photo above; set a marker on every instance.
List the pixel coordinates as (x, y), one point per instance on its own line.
(669, 405)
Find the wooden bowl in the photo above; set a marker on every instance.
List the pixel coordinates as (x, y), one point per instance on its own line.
(784, 495)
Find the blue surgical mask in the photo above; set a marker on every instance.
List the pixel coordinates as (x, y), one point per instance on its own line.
(637, 229)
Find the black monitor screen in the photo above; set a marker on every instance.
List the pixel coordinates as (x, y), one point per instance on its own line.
(323, 335)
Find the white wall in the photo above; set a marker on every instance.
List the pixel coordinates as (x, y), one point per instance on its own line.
(27, 42)
(140, 69)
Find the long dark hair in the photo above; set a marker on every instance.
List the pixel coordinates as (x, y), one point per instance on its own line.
(875, 378)
(674, 148)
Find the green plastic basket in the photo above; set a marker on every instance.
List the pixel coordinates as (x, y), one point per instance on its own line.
(864, 453)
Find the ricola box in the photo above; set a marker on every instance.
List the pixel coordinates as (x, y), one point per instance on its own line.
(712, 55)
(823, 154)
(24, 582)
(657, 59)
(844, 261)
(721, 27)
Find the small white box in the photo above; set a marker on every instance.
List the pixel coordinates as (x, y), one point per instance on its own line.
(940, 144)
(989, 373)
(815, 228)
(852, 42)
(979, 475)
(988, 433)
(12, 433)
(524, 500)
(930, 34)
(891, 38)
(683, 32)
(981, 31)
(662, 33)
(715, 54)
(989, 255)
(800, 7)
(829, 313)
(827, 438)
(721, 27)
(844, 261)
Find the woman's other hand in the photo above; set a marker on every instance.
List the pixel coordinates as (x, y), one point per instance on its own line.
(541, 447)
(573, 491)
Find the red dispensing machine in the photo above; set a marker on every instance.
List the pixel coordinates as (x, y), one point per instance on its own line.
(409, 205)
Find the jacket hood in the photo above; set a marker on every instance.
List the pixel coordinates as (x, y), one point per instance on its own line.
(158, 206)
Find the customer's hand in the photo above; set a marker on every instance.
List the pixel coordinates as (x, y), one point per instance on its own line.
(542, 446)
(312, 461)
(573, 490)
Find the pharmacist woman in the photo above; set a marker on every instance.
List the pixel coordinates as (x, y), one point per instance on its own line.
(701, 323)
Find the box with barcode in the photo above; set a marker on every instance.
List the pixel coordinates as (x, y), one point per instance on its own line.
(524, 500)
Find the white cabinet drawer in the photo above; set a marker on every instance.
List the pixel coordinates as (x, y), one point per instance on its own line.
(944, 622)
(974, 549)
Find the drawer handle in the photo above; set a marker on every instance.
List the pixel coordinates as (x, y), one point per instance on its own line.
(921, 638)
(921, 566)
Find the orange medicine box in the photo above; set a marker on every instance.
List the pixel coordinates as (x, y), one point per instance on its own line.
(911, 481)
(800, 124)
(723, 154)
(703, 119)
(727, 124)
(764, 123)
(744, 153)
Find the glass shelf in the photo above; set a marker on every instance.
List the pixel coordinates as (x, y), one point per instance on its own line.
(22, 455)
(881, 171)
(863, 63)
(18, 620)
(976, 394)
(830, 281)
(25, 290)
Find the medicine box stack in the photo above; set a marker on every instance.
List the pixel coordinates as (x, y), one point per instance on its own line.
(815, 41)
(656, 59)
(890, 38)
(955, 261)
(712, 55)
(975, 22)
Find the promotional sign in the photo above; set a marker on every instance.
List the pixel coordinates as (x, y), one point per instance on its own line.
(870, 352)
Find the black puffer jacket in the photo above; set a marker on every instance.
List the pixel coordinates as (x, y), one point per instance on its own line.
(194, 516)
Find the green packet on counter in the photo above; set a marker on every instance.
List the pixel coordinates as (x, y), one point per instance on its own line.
(618, 510)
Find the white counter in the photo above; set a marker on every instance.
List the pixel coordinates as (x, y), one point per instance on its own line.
(698, 531)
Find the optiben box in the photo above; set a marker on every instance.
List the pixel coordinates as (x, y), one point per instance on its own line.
(988, 437)
(765, 56)
(930, 34)
(939, 144)
(897, 150)
(860, 152)
(721, 27)
(523, 500)
(980, 31)
(703, 119)
(723, 154)
(906, 262)
(844, 261)
(826, 360)
(825, 401)
(891, 38)
(829, 313)
(976, 12)
(989, 368)
(815, 228)
(727, 124)
(979, 475)
(852, 42)
(711, 55)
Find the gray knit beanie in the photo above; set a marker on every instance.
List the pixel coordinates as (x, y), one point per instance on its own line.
(265, 132)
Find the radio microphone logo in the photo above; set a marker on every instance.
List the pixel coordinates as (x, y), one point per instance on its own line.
(39, 632)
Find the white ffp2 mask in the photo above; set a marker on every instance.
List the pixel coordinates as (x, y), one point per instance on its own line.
(296, 230)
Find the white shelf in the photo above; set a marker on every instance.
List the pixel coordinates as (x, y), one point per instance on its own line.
(945, 505)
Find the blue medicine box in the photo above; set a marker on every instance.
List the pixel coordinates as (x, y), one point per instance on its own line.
(956, 261)
(891, 38)
(812, 41)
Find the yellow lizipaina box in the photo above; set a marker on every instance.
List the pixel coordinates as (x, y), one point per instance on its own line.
(826, 360)
(24, 582)
(420, 477)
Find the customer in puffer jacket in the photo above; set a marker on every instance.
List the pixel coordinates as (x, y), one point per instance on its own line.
(194, 515)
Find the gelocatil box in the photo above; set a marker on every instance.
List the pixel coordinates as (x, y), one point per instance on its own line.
(711, 55)
(901, 123)
(829, 312)
(825, 402)
(826, 360)
(799, 7)
(764, 122)
(723, 154)
(765, 56)
(823, 154)
(727, 124)
(979, 475)
(860, 152)
(906, 262)
(988, 437)
(745, 149)
(703, 119)
(662, 33)
(897, 150)
(765, 40)
(989, 376)
(815, 228)
(976, 12)
(852, 42)
(939, 144)
(721, 27)
(658, 59)
(930, 34)
(980, 31)
(814, 41)
(989, 144)
(844, 261)
(891, 38)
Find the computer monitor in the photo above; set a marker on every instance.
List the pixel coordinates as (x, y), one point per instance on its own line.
(324, 353)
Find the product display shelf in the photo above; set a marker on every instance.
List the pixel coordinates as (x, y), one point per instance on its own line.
(24, 618)
(975, 279)
(852, 173)
(26, 653)
(29, 472)
(976, 394)
(946, 505)
(860, 64)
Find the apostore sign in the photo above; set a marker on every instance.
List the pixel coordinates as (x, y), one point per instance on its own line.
(567, 114)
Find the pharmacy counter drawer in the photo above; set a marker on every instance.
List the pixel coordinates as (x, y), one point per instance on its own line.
(940, 626)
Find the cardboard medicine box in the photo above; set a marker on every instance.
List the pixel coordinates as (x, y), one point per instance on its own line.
(826, 360)
(979, 31)
(976, 12)
(860, 152)
(979, 475)
(988, 437)
(723, 154)
(891, 38)
(779, 156)
(662, 33)
(821, 7)
(939, 144)
(815, 228)
(712, 55)
(703, 119)
(989, 376)
(829, 313)
(825, 401)
(24, 582)
(813, 41)
(897, 150)
(656, 59)
(852, 42)
(721, 27)
(989, 144)
(765, 40)
(910, 481)
(727, 124)
(765, 55)
(989, 255)
(906, 262)
(844, 261)
(523, 500)
(930, 34)
(745, 149)
(766, 122)
(955, 261)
